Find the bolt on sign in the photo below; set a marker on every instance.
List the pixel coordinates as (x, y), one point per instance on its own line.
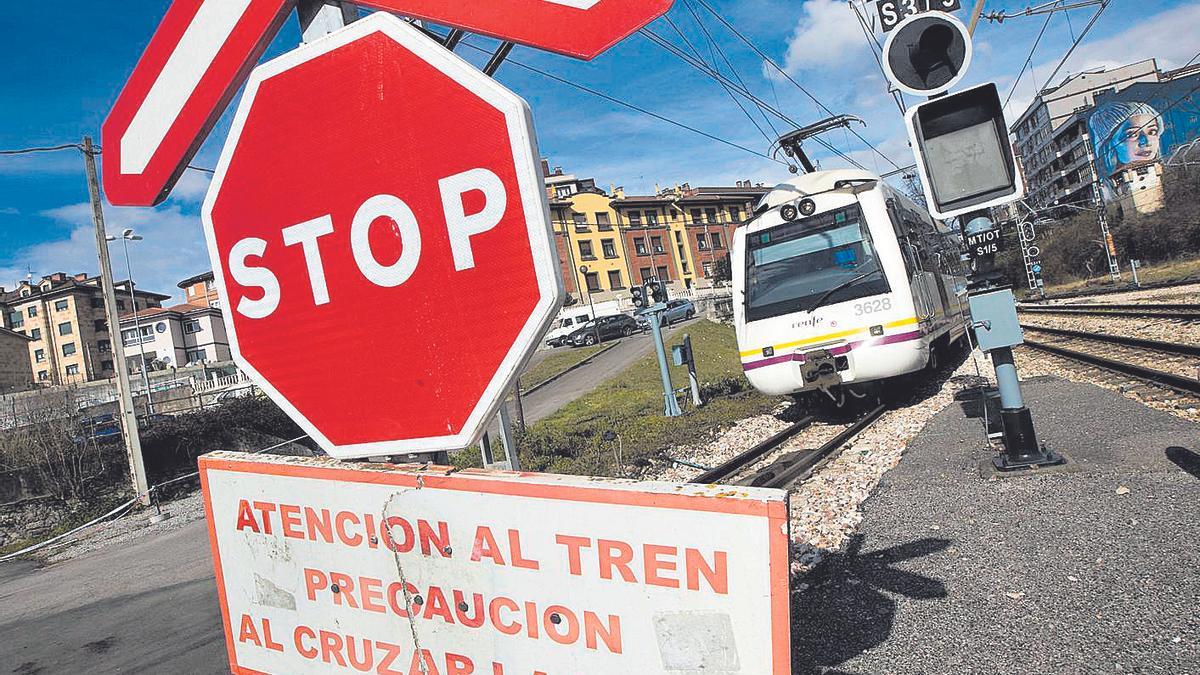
(378, 225)
(396, 570)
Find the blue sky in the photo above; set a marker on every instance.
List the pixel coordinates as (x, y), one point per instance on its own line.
(67, 61)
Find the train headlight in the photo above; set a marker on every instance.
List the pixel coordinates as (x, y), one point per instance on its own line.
(807, 207)
(788, 212)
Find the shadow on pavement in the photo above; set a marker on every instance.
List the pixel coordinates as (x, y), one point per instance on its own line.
(849, 605)
(1184, 459)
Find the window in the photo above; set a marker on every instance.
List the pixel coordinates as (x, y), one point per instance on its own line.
(593, 282)
(100, 326)
(678, 238)
(635, 217)
(39, 355)
(32, 311)
(656, 244)
(585, 250)
(610, 248)
(120, 304)
(701, 241)
(646, 274)
(639, 245)
(106, 365)
(614, 280)
(696, 215)
(826, 258)
(16, 320)
(735, 214)
(97, 302)
(603, 222)
(662, 274)
(65, 328)
(73, 369)
(651, 217)
(35, 333)
(707, 269)
(61, 306)
(716, 239)
(104, 346)
(194, 355)
(710, 215)
(191, 327)
(68, 349)
(43, 375)
(674, 214)
(580, 222)
(683, 263)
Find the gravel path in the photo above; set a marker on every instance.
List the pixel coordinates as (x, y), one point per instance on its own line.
(129, 528)
(1165, 330)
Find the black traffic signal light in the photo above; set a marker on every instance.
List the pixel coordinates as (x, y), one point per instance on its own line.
(656, 292)
(927, 53)
(639, 296)
(963, 154)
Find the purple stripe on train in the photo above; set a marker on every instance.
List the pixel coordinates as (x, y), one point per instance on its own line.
(837, 351)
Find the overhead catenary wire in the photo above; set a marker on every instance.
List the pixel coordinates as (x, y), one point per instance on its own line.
(96, 150)
(728, 91)
(1028, 61)
(872, 44)
(1074, 44)
(761, 54)
(625, 104)
(702, 67)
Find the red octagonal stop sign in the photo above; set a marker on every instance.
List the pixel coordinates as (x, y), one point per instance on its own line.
(380, 229)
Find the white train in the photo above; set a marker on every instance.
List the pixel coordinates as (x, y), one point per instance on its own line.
(840, 280)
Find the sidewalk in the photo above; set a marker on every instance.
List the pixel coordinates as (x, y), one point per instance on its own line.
(1090, 570)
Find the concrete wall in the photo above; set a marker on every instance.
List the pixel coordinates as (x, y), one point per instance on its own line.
(15, 370)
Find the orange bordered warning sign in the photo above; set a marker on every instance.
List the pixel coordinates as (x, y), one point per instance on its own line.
(322, 567)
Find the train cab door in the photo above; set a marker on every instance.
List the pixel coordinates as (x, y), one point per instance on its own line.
(907, 235)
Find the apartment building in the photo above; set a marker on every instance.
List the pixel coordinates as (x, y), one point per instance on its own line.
(163, 337)
(1051, 138)
(201, 290)
(609, 241)
(63, 315)
(16, 373)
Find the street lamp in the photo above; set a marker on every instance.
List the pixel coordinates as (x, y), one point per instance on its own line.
(583, 269)
(127, 236)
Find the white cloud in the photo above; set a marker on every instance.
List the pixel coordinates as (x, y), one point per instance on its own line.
(172, 247)
(826, 35)
(192, 186)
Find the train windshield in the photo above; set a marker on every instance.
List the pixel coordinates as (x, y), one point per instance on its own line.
(819, 260)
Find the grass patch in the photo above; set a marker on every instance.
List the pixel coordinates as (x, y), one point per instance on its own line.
(1169, 270)
(561, 359)
(630, 404)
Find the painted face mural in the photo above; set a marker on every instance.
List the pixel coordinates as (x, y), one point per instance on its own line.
(1137, 140)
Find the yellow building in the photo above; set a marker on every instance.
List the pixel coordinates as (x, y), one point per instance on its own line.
(609, 242)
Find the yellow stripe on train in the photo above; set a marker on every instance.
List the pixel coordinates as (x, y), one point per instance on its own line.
(829, 336)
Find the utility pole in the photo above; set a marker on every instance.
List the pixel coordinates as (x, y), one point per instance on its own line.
(1110, 248)
(129, 423)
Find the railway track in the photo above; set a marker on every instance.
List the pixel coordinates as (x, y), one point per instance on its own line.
(791, 466)
(1134, 357)
(1183, 312)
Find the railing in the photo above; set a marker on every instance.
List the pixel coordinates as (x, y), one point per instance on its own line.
(237, 378)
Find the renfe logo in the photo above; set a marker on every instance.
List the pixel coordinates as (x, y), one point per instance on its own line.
(328, 568)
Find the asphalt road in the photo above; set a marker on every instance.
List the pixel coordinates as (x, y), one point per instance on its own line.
(545, 401)
(149, 606)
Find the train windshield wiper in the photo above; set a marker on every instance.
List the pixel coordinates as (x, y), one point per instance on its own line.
(849, 282)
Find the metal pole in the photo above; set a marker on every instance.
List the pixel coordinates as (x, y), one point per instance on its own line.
(670, 405)
(493, 63)
(520, 405)
(129, 424)
(1110, 248)
(137, 327)
(506, 436)
(485, 450)
(693, 381)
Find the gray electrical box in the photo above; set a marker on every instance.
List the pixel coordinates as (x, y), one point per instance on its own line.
(997, 312)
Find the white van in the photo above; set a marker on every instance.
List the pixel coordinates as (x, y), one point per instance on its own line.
(569, 320)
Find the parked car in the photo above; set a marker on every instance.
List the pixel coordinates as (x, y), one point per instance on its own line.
(604, 328)
(678, 309)
(565, 326)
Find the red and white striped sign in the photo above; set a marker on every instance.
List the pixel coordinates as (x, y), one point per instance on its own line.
(203, 51)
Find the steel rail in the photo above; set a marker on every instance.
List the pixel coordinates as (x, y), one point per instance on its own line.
(1139, 343)
(1123, 288)
(1179, 383)
(743, 459)
(808, 461)
(1147, 311)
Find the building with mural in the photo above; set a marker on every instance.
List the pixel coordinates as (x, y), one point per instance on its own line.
(1135, 132)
